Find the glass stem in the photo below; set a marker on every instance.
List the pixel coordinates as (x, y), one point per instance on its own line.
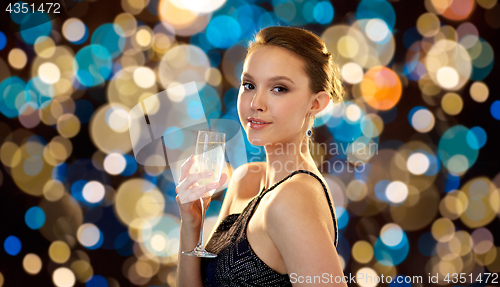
(200, 240)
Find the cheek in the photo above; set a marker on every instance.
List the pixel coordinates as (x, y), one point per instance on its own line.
(292, 115)
(292, 121)
(242, 106)
(243, 102)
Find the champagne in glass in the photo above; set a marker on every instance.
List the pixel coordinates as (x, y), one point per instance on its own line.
(209, 156)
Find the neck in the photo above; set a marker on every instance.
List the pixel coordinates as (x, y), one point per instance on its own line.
(285, 158)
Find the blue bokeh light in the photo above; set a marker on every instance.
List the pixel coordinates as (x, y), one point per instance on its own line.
(369, 9)
(97, 281)
(391, 255)
(214, 208)
(212, 105)
(483, 64)
(223, 31)
(494, 109)
(167, 228)
(323, 12)
(39, 93)
(19, 18)
(35, 217)
(453, 145)
(12, 96)
(92, 65)
(476, 137)
(131, 166)
(3, 41)
(77, 190)
(99, 242)
(123, 244)
(195, 110)
(342, 217)
(452, 182)
(12, 245)
(84, 38)
(434, 163)
(173, 137)
(380, 188)
(111, 37)
(29, 32)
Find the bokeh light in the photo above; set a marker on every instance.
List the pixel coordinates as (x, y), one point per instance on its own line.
(89, 236)
(381, 88)
(115, 163)
(479, 92)
(59, 252)
(12, 245)
(17, 58)
(75, 31)
(93, 191)
(63, 277)
(35, 217)
(32, 264)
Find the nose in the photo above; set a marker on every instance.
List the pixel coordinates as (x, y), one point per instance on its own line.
(259, 101)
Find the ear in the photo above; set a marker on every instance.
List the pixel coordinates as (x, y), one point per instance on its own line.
(319, 102)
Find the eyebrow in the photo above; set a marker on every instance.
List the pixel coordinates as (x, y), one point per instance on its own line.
(270, 79)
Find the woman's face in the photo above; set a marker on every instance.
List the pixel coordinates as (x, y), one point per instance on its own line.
(274, 97)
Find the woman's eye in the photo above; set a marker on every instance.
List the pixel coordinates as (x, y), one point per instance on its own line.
(244, 84)
(283, 88)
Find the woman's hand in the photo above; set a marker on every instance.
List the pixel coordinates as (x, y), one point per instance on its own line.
(188, 193)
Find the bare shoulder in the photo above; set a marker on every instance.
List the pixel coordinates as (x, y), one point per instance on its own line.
(302, 196)
(298, 212)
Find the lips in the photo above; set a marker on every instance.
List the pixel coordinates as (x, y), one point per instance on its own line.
(257, 120)
(257, 124)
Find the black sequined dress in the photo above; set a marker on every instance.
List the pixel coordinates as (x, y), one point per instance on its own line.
(236, 263)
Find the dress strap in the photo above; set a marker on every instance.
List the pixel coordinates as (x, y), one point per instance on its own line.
(263, 192)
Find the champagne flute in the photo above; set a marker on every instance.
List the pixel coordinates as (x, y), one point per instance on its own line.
(209, 157)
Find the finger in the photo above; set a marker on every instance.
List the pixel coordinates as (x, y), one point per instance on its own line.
(195, 177)
(190, 180)
(185, 167)
(194, 193)
(222, 180)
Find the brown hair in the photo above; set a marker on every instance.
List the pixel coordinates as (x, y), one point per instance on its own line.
(323, 72)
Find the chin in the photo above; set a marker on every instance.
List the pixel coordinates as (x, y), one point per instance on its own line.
(256, 141)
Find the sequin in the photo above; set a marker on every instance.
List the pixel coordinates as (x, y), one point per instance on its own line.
(236, 263)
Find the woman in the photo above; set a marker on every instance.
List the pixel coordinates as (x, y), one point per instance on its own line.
(277, 224)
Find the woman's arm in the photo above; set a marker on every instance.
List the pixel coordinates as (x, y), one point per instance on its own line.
(188, 267)
(297, 223)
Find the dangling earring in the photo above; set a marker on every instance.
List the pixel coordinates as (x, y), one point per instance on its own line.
(309, 131)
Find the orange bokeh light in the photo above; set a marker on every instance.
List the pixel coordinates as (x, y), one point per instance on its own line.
(459, 10)
(381, 88)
